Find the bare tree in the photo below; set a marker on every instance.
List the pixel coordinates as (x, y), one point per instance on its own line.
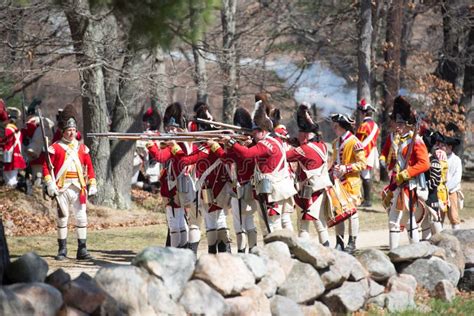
(364, 58)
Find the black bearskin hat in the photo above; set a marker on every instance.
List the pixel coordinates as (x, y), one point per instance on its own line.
(203, 112)
(174, 116)
(261, 119)
(304, 120)
(242, 118)
(31, 110)
(402, 112)
(67, 117)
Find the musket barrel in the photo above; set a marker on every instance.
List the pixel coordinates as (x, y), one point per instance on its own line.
(234, 127)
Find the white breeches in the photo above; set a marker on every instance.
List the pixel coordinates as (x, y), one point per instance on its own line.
(216, 227)
(69, 202)
(287, 210)
(353, 226)
(320, 224)
(396, 220)
(10, 178)
(177, 225)
(194, 223)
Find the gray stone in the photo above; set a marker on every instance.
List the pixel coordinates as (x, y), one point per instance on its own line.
(58, 279)
(134, 291)
(284, 306)
(303, 284)
(226, 273)
(402, 283)
(317, 308)
(312, 252)
(428, 272)
(378, 300)
(255, 264)
(199, 298)
(466, 238)
(412, 252)
(350, 297)
(467, 281)
(161, 262)
(284, 235)
(445, 291)
(375, 289)
(398, 301)
(268, 286)
(12, 304)
(83, 293)
(377, 264)
(280, 252)
(250, 302)
(452, 248)
(71, 311)
(45, 299)
(28, 268)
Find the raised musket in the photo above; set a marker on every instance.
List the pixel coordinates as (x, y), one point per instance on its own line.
(225, 125)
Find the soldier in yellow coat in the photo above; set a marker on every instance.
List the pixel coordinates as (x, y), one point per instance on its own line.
(348, 161)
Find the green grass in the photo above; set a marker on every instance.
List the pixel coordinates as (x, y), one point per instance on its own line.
(459, 306)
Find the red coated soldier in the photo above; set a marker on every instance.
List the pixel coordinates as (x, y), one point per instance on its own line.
(312, 176)
(408, 169)
(72, 180)
(12, 157)
(272, 180)
(367, 133)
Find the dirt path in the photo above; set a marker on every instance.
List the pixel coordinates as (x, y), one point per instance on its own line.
(375, 238)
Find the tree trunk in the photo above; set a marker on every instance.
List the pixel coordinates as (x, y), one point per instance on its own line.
(129, 106)
(159, 85)
(88, 36)
(4, 253)
(451, 67)
(200, 73)
(229, 60)
(391, 74)
(467, 99)
(363, 55)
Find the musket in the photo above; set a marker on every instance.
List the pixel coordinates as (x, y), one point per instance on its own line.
(49, 164)
(180, 137)
(220, 124)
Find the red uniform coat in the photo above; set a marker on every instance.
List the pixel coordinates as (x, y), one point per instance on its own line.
(204, 158)
(8, 142)
(365, 131)
(266, 152)
(245, 167)
(311, 160)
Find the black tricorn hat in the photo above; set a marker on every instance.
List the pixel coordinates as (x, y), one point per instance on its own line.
(304, 120)
(402, 112)
(453, 141)
(174, 116)
(261, 119)
(67, 117)
(242, 118)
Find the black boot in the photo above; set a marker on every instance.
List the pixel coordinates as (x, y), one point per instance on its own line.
(82, 253)
(223, 247)
(168, 239)
(212, 249)
(326, 243)
(340, 242)
(351, 245)
(62, 252)
(241, 250)
(194, 247)
(366, 184)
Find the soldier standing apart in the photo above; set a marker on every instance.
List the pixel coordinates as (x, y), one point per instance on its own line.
(312, 176)
(367, 133)
(12, 158)
(454, 181)
(348, 161)
(407, 170)
(72, 181)
(272, 181)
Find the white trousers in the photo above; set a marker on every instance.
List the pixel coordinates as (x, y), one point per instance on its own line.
(69, 202)
(216, 227)
(177, 225)
(396, 220)
(194, 223)
(320, 224)
(244, 224)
